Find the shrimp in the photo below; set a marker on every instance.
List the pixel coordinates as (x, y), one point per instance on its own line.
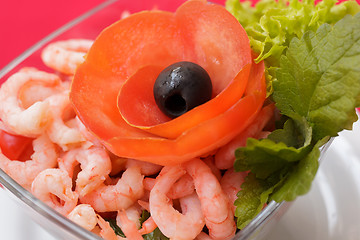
(185, 225)
(106, 232)
(219, 217)
(182, 188)
(225, 156)
(83, 215)
(148, 226)
(123, 194)
(231, 184)
(128, 227)
(58, 131)
(95, 166)
(53, 186)
(203, 236)
(44, 156)
(32, 121)
(66, 56)
(147, 168)
(210, 161)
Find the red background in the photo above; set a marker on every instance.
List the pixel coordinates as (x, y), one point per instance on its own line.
(25, 22)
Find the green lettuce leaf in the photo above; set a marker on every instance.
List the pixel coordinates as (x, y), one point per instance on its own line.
(319, 77)
(272, 24)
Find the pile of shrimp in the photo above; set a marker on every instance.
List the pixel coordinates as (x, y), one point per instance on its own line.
(73, 173)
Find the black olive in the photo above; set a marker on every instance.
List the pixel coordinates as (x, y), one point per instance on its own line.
(180, 87)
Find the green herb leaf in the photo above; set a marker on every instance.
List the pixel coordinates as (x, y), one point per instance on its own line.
(319, 78)
(299, 178)
(251, 199)
(283, 146)
(116, 228)
(155, 235)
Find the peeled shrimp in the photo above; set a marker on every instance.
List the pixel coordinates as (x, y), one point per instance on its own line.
(53, 186)
(83, 215)
(95, 166)
(126, 192)
(173, 224)
(147, 168)
(44, 156)
(182, 188)
(58, 131)
(129, 228)
(148, 226)
(231, 184)
(66, 56)
(203, 236)
(106, 231)
(30, 122)
(225, 156)
(215, 206)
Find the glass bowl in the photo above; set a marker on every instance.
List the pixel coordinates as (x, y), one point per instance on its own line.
(89, 26)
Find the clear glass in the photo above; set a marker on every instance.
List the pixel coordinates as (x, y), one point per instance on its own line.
(89, 26)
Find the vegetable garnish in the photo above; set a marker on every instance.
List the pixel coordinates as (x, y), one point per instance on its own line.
(125, 61)
(317, 88)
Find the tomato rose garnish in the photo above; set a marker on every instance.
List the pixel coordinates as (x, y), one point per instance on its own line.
(112, 91)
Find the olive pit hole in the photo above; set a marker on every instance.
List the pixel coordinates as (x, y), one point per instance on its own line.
(176, 105)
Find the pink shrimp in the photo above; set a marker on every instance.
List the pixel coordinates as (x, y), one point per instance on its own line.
(210, 161)
(127, 191)
(106, 231)
(95, 166)
(147, 168)
(83, 215)
(182, 188)
(173, 224)
(44, 156)
(148, 226)
(66, 56)
(215, 205)
(128, 227)
(225, 156)
(203, 236)
(53, 186)
(61, 134)
(231, 184)
(32, 121)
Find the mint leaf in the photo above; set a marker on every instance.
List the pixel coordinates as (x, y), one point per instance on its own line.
(299, 178)
(253, 195)
(283, 146)
(319, 78)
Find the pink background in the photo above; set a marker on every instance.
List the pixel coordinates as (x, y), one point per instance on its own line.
(25, 22)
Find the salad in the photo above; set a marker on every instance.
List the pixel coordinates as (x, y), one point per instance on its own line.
(190, 138)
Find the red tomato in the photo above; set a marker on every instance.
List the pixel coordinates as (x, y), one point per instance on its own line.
(12, 146)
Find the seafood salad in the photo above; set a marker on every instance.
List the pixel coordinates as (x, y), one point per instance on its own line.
(185, 124)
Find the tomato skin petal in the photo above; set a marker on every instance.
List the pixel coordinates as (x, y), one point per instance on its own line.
(137, 105)
(202, 138)
(12, 146)
(115, 56)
